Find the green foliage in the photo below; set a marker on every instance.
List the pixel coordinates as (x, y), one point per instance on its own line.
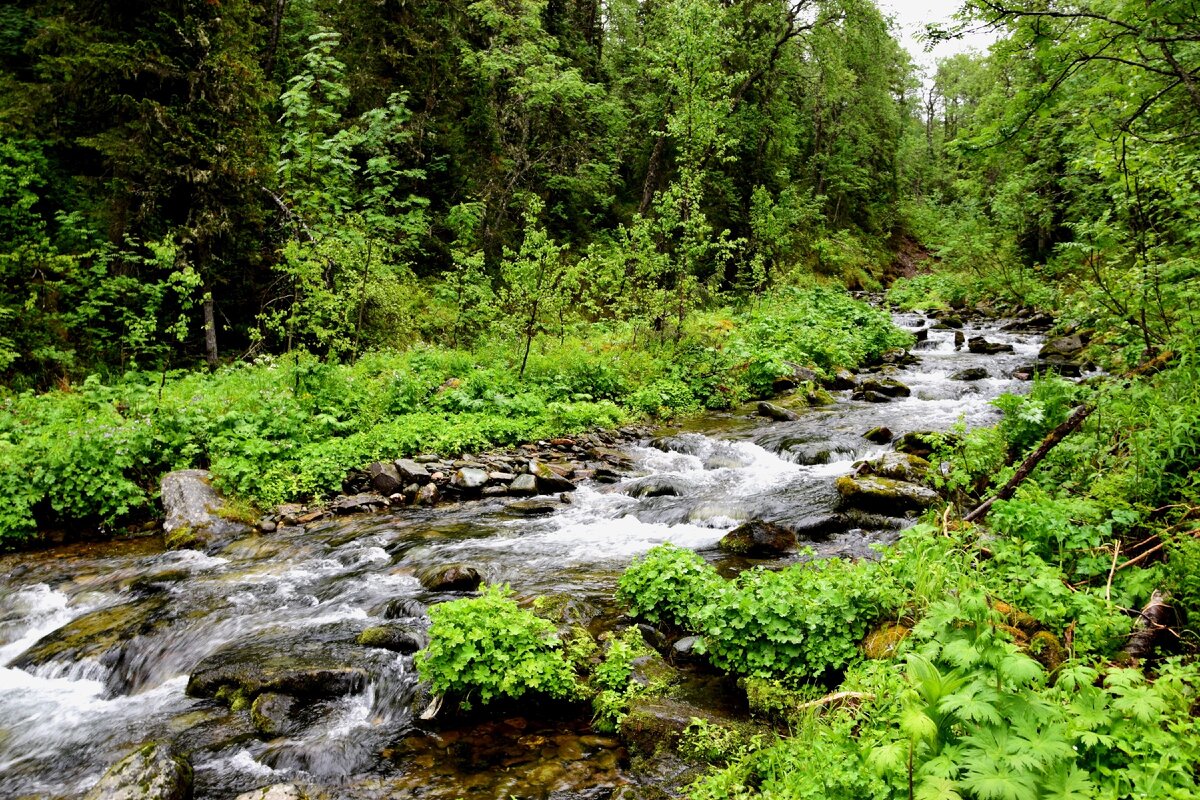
(670, 585)
(798, 623)
(487, 647)
(614, 691)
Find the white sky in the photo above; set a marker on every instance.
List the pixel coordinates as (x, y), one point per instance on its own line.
(911, 17)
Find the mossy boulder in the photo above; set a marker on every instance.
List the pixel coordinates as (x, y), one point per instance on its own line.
(882, 642)
(1047, 649)
(395, 636)
(880, 435)
(152, 772)
(889, 387)
(451, 578)
(273, 714)
(193, 513)
(776, 412)
(306, 668)
(884, 495)
(100, 636)
(759, 538)
(897, 466)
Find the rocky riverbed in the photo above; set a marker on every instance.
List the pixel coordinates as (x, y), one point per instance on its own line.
(274, 660)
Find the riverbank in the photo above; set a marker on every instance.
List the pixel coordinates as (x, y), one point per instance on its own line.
(288, 429)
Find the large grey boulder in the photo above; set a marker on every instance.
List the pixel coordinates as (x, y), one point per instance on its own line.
(152, 772)
(884, 495)
(386, 478)
(193, 512)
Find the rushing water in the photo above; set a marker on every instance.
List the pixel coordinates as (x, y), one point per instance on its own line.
(119, 684)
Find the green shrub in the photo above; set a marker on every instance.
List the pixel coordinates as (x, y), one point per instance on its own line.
(669, 584)
(488, 647)
(797, 623)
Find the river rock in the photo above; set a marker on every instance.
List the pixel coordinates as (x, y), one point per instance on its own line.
(777, 413)
(548, 480)
(880, 435)
(100, 636)
(896, 466)
(980, 345)
(1064, 347)
(534, 507)
(280, 791)
(843, 379)
(395, 636)
(308, 665)
(152, 772)
(960, 339)
(655, 486)
(759, 538)
(871, 397)
(949, 321)
(401, 608)
(469, 479)
(970, 374)
(652, 671)
(428, 495)
(886, 386)
(920, 443)
(451, 578)
(193, 512)
(385, 478)
(525, 484)
(273, 714)
(358, 503)
(412, 471)
(884, 495)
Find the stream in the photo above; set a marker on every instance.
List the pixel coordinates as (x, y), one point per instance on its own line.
(139, 619)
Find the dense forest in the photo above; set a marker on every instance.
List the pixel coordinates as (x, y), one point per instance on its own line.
(282, 240)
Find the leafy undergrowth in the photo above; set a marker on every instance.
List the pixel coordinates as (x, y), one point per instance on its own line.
(999, 666)
(283, 429)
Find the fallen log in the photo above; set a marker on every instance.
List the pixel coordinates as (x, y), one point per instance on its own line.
(1072, 423)
(1153, 621)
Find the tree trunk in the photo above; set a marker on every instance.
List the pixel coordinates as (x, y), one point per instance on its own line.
(210, 331)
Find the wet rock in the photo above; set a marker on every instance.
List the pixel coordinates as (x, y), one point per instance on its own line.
(655, 486)
(949, 321)
(885, 386)
(534, 507)
(412, 471)
(882, 642)
(469, 479)
(451, 578)
(871, 397)
(685, 648)
(99, 635)
(880, 435)
(359, 503)
(427, 495)
(495, 491)
(193, 511)
(980, 345)
(525, 484)
(970, 374)
(885, 495)
(921, 443)
(273, 714)
(760, 539)
(799, 375)
(385, 478)
(401, 608)
(777, 413)
(548, 480)
(843, 379)
(724, 460)
(280, 791)
(397, 637)
(1064, 347)
(960, 339)
(152, 772)
(897, 466)
(652, 671)
(305, 666)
